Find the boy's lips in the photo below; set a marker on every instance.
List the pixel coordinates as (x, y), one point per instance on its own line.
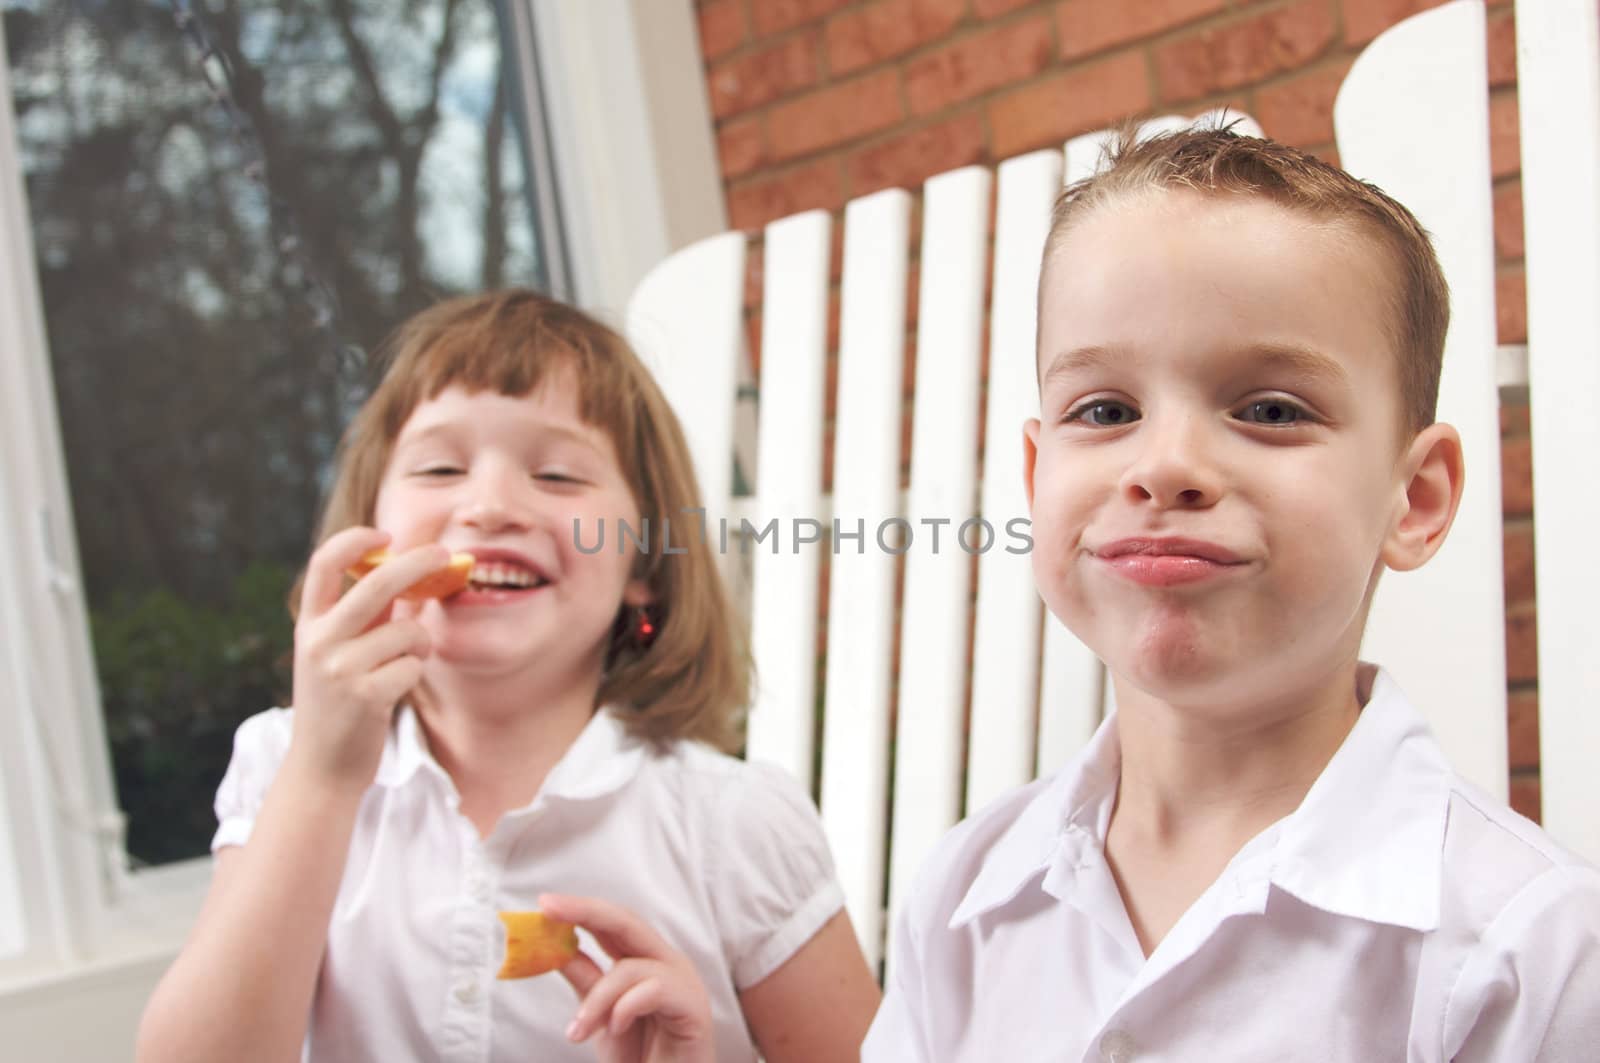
(1167, 562)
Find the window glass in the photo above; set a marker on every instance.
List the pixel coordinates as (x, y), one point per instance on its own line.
(217, 240)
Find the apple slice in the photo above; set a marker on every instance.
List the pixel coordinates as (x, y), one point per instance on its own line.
(536, 944)
(440, 584)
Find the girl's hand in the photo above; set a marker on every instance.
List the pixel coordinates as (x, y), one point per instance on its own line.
(352, 663)
(650, 1006)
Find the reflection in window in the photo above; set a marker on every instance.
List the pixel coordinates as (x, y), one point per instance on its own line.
(198, 317)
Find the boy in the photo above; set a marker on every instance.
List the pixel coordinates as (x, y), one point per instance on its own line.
(1262, 855)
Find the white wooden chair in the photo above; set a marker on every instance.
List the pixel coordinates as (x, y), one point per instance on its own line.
(1415, 98)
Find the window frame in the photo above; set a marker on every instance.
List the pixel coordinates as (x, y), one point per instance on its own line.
(82, 912)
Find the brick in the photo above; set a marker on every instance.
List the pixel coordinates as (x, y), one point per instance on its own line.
(1518, 551)
(1522, 730)
(1522, 645)
(1513, 418)
(754, 203)
(1073, 101)
(1365, 19)
(1511, 306)
(1505, 135)
(836, 115)
(908, 159)
(1516, 477)
(1300, 111)
(1502, 50)
(996, 8)
(888, 28)
(775, 16)
(1088, 26)
(1508, 220)
(722, 28)
(761, 76)
(978, 64)
(1525, 799)
(741, 147)
(1246, 52)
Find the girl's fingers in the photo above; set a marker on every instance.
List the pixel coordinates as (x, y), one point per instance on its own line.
(621, 933)
(644, 998)
(596, 1010)
(369, 601)
(581, 973)
(325, 571)
(397, 638)
(393, 681)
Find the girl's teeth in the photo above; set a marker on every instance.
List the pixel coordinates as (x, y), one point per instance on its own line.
(497, 575)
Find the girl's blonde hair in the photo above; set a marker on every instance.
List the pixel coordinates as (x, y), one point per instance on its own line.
(693, 680)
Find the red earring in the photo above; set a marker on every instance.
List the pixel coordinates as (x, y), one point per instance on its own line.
(643, 629)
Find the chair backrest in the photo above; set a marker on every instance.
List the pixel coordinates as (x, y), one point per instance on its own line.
(959, 729)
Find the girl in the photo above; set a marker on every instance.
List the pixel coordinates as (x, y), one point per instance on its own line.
(542, 739)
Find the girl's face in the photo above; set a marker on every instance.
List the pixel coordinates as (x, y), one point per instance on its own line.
(520, 483)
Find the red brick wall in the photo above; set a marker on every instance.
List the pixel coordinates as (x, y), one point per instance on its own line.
(818, 101)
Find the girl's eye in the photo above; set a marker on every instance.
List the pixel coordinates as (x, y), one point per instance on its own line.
(1272, 412)
(556, 478)
(436, 471)
(1104, 413)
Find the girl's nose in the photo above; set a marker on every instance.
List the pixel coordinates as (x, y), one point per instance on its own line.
(497, 500)
(1172, 470)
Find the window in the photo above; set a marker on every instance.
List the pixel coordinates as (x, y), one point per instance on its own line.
(222, 220)
(174, 377)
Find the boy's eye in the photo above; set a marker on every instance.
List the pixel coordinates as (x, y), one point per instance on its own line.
(1104, 413)
(1271, 412)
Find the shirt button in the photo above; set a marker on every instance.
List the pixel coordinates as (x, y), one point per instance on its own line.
(467, 992)
(1118, 1046)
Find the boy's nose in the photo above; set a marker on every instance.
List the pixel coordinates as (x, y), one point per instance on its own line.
(1172, 471)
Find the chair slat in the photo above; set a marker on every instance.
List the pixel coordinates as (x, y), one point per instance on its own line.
(1415, 96)
(1558, 71)
(684, 320)
(789, 490)
(933, 647)
(1005, 651)
(1070, 693)
(866, 492)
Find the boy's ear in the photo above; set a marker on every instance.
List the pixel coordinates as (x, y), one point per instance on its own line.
(1433, 474)
(1030, 455)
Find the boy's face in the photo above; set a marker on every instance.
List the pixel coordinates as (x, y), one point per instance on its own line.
(1217, 467)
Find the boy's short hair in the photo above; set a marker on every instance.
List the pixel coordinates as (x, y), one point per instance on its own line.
(693, 680)
(1215, 161)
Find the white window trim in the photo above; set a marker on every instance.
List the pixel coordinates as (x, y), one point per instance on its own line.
(638, 178)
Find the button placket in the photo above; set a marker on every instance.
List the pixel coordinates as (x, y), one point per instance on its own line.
(1118, 1046)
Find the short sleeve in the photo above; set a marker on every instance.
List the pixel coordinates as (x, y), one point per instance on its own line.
(259, 746)
(1531, 989)
(771, 876)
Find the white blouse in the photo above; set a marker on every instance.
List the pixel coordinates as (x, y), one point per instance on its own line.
(1398, 914)
(725, 859)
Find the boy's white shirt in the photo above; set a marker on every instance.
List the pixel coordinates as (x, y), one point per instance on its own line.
(725, 859)
(1398, 913)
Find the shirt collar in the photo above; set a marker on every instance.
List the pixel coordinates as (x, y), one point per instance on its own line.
(1069, 812)
(603, 758)
(1365, 842)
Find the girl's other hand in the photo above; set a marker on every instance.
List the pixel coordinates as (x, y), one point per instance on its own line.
(650, 1006)
(352, 663)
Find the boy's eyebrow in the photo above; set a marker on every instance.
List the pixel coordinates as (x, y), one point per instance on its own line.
(1302, 361)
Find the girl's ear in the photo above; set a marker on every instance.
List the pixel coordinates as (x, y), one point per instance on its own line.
(637, 592)
(1433, 474)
